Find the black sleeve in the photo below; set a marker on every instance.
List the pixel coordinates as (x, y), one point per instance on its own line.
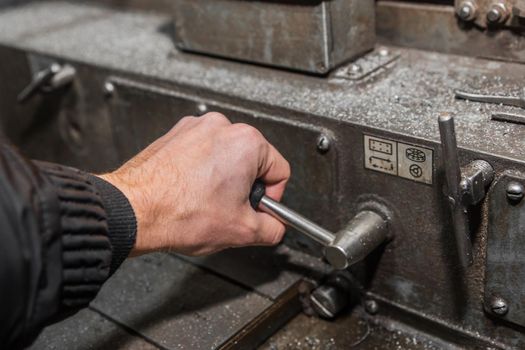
(62, 233)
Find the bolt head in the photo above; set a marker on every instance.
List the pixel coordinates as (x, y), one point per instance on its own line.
(494, 15)
(109, 89)
(499, 306)
(467, 11)
(371, 307)
(355, 69)
(515, 192)
(497, 14)
(323, 144)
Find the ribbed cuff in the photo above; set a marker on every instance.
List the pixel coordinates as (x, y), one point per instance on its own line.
(86, 247)
(122, 223)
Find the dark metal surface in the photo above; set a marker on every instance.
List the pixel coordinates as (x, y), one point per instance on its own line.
(88, 330)
(312, 35)
(269, 271)
(505, 264)
(177, 305)
(351, 331)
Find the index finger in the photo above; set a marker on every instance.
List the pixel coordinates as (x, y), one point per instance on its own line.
(274, 170)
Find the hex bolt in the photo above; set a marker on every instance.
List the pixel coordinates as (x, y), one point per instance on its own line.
(499, 306)
(515, 192)
(371, 306)
(498, 13)
(323, 143)
(108, 89)
(467, 11)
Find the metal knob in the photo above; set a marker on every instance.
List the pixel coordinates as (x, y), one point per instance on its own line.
(365, 232)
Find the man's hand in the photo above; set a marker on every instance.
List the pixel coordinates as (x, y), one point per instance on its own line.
(190, 188)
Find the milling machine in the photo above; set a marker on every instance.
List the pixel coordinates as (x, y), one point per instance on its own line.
(403, 121)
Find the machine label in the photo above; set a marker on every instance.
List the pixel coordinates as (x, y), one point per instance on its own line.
(401, 159)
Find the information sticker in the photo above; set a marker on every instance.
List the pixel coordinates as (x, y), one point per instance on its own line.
(396, 158)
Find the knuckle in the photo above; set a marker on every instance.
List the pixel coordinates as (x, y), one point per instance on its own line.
(277, 236)
(247, 131)
(184, 121)
(187, 119)
(248, 135)
(216, 117)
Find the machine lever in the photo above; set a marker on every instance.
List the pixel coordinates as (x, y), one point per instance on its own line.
(364, 233)
(46, 80)
(466, 186)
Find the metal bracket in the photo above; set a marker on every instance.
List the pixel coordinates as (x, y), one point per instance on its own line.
(366, 65)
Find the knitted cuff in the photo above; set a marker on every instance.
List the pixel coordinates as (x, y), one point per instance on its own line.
(121, 220)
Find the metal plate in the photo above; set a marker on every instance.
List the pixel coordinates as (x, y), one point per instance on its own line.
(505, 264)
(177, 305)
(143, 112)
(89, 330)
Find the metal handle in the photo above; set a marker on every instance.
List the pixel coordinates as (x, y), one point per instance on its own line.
(365, 232)
(453, 176)
(259, 200)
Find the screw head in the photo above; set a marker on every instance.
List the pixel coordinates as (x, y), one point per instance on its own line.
(323, 144)
(515, 192)
(202, 108)
(371, 307)
(109, 89)
(499, 306)
(467, 11)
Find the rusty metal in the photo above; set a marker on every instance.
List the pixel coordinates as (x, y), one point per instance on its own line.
(436, 28)
(313, 35)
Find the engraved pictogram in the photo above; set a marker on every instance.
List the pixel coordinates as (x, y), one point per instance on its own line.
(416, 171)
(415, 155)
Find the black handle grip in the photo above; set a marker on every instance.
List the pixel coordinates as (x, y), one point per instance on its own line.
(258, 191)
